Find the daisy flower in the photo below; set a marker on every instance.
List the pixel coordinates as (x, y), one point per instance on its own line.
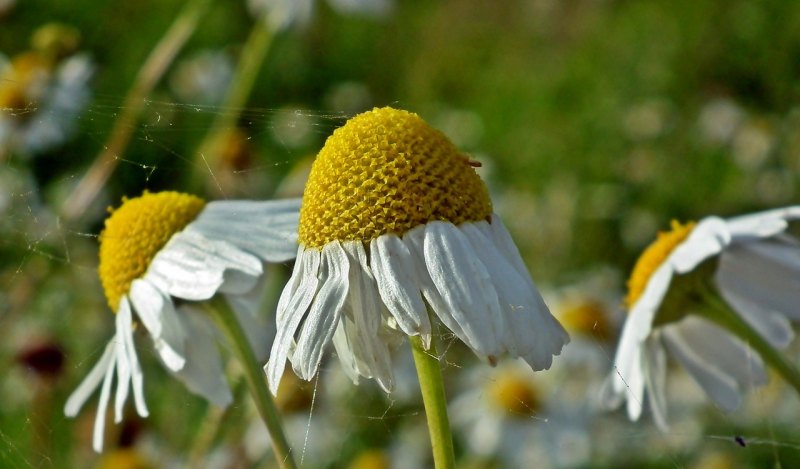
(168, 244)
(707, 292)
(42, 92)
(395, 222)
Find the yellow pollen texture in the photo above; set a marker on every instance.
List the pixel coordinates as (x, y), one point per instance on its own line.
(135, 232)
(387, 171)
(652, 258)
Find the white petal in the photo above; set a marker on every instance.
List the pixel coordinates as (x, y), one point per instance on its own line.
(720, 387)
(722, 350)
(292, 306)
(193, 266)
(763, 224)
(92, 380)
(634, 384)
(707, 239)
(414, 239)
(392, 264)
(203, 373)
(465, 287)
(772, 326)
(362, 313)
(656, 380)
(123, 323)
(323, 317)
(100, 418)
(639, 324)
(157, 313)
(532, 332)
(343, 349)
(267, 229)
(766, 273)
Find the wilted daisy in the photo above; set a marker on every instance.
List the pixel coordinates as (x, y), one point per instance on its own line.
(166, 245)
(42, 92)
(395, 222)
(707, 292)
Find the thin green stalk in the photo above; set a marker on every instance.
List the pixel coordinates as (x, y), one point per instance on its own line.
(433, 396)
(252, 57)
(226, 320)
(724, 316)
(149, 75)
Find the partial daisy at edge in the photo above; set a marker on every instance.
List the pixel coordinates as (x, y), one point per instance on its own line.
(397, 232)
(168, 245)
(716, 296)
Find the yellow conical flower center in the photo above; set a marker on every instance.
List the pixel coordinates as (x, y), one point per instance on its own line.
(652, 258)
(514, 393)
(586, 316)
(387, 171)
(135, 232)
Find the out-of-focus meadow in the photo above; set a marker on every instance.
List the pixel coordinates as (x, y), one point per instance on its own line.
(596, 122)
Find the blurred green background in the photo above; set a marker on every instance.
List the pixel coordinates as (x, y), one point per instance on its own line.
(597, 122)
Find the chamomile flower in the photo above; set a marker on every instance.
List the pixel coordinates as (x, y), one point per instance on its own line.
(42, 92)
(395, 222)
(695, 293)
(168, 244)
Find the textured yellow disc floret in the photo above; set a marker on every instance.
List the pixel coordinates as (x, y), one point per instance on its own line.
(653, 257)
(135, 232)
(586, 316)
(387, 171)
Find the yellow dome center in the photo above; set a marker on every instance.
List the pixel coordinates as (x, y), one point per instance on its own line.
(21, 83)
(387, 171)
(135, 232)
(514, 394)
(652, 258)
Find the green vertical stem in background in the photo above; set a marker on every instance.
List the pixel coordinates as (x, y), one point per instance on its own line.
(256, 380)
(149, 75)
(723, 315)
(433, 396)
(252, 57)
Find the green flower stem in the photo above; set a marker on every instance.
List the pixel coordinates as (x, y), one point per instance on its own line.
(723, 315)
(149, 75)
(253, 54)
(432, 386)
(226, 320)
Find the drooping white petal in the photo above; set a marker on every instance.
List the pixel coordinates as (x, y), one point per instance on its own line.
(323, 317)
(92, 380)
(772, 326)
(193, 266)
(203, 373)
(157, 313)
(123, 324)
(102, 406)
(765, 272)
(362, 318)
(763, 224)
(341, 344)
(724, 351)
(393, 266)
(466, 288)
(721, 387)
(656, 379)
(531, 331)
(708, 238)
(639, 324)
(267, 229)
(634, 382)
(292, 306)
(414, 240)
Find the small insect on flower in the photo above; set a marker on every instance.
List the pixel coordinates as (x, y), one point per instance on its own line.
(168, 244)
(395, 222)
(710, 293)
